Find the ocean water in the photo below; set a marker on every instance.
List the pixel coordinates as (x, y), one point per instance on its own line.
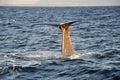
(34, 52)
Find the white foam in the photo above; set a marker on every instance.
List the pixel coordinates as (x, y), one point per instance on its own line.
(38, 55)
(44, 55)
(82, 55)
(74, 56)
(51, 55)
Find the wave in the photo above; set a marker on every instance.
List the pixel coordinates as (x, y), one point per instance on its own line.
(89, 65)
(49, 55)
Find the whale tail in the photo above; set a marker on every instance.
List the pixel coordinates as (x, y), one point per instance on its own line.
(67, 48)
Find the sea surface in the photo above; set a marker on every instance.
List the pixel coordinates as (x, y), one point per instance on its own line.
(30, 52)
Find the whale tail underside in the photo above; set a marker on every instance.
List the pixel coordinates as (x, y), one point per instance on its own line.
(67, 48)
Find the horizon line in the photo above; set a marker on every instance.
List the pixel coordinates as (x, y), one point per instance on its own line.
(61, 6)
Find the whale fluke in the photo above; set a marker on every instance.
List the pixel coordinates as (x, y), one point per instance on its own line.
(55, 25)
(67, 48)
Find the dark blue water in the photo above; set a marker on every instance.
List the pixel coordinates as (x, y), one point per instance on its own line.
(34, 52)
